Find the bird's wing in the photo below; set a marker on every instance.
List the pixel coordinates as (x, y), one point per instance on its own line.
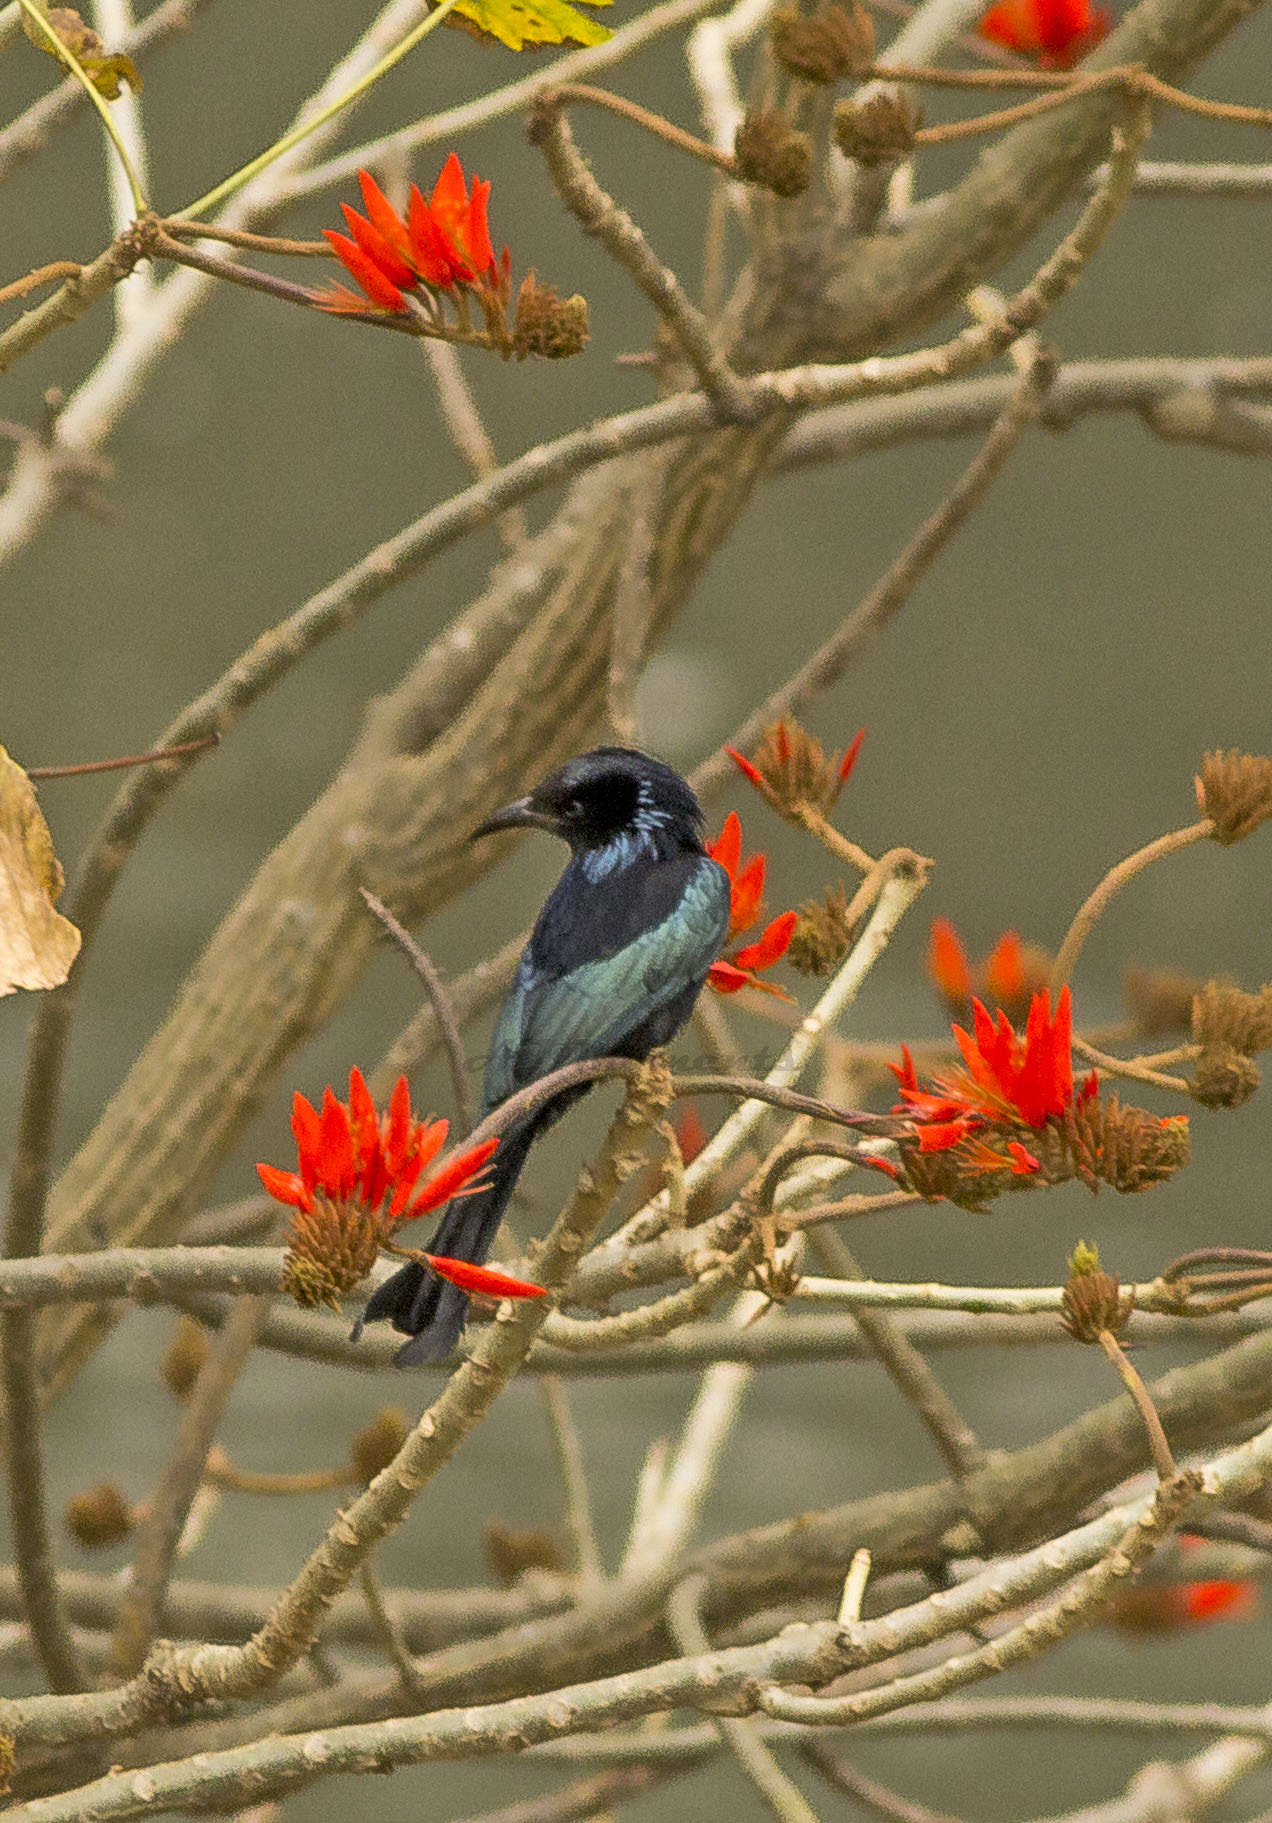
(592, 1009)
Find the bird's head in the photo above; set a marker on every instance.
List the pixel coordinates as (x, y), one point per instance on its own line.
(608, 796)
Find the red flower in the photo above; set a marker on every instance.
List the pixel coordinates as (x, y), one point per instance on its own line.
(1005, 1080)
(483, 1281)
(443, 243)
(947, 962)
(746, 883)
(691, 1135)
(1056, 33)
(348, 1153)
(1008, 977)
(1166, 1607)
(358, 1179)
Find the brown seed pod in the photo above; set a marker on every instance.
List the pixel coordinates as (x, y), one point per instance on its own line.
(377, 1443)
(1234, 790)
(824, 934)
(99, 1517)
(834, 43)
(770, 153)
(877, 131)
(547, 324)
(1093, 1303)
(1224, 1077)
(1224, 1014)
(184, 1357)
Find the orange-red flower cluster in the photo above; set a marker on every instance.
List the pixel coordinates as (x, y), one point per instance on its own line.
(347, 1153)
(741, 967)
(1055, 33)
(359, 1177)
(1011, 1116)
(441, 253)
(1005, 1079)
(443, 242)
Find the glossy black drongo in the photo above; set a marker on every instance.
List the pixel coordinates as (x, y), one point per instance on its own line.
(612, 969)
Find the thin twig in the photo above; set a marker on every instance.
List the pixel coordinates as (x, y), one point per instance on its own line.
(42, 275)
(854, 1591)
(1085, 1595)
(897, 584)
(568, 1447)
(32, 1544)
(223, 1472)
(1093, 907)
(445, 127)
(869, 1793)
(1163, 1460)
(389, 1631)
(179, 230)
(84, 767)
(1131, 1068)
(466, 430)
(443, 1011)
(906, 1367)
(781, 1795)
(599, 215)
(570, 94)
(141, 1610)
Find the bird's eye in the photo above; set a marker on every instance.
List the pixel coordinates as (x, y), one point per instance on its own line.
(573, 807)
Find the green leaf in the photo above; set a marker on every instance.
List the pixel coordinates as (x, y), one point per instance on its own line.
(522, 23)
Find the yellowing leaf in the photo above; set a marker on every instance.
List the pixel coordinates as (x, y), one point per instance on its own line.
(522, 23)
(37, 944)
(105, 72)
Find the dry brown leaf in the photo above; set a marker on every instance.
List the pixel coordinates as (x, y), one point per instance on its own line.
(37, 944)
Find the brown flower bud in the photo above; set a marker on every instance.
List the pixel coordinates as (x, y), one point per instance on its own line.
(185, 1355)
(510, 1549)
(1224, 1014)
(1159, 999)
(835, 42)
(1223, 1077)
(99, 1517)
(1105, 1143)
(877, 131)
(1092, 1300)
(971, 1174)
(377, 1443)
(1234, 790)
(823, 936)
(770, 153)
(547, 324)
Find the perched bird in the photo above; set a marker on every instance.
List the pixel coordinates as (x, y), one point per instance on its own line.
(612, 969)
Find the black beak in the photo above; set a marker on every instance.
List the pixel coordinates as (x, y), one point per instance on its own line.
(518, 815)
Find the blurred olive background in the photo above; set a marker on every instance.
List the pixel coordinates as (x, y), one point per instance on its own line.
(1036, 712)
